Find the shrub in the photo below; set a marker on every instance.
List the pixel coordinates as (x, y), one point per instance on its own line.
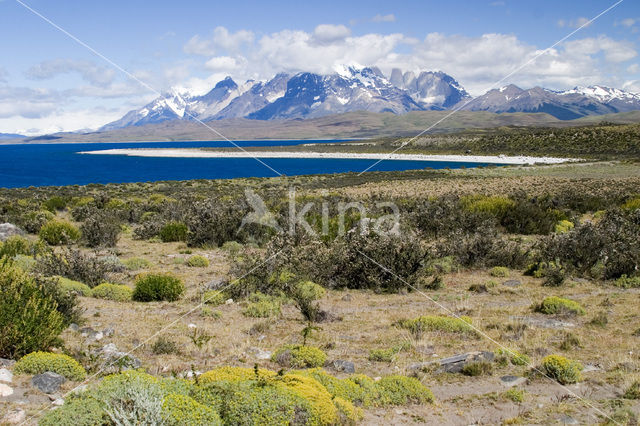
(159, 286)
(58, 232)
(117, 292)
(633, 392)
(499, 271)
(214, 297)
(628, 282)
(426, 323)
(495, 205)
(554, 305)
(444, 265)
(514, 395)
(299, 356)
(29, 319)
(72, 286)
(632, 204)
(198, 262)
(305, 295)
(26, 263)
(76, 411)
(382, 355)
(564, 226)
(39, 362)
(231, 374)
(100, 230)
(435, 283)
(182, 410)
(174, 231)
(401, 390)
(17, 245)
(75, 265)
(136, 263)
(233, 247)
(164, 346)
(477, 368)
(554, 275)
(323, 411)
(357, 388)
(32, 222)
(561, 369)
(262, 306)
(600, 320)
(515, 357)
(55, 203)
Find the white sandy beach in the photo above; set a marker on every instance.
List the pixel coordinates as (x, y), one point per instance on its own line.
(198, 153)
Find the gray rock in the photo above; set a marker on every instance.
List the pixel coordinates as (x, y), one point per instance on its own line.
(5, 390)
(6, 362)
(9, 230)
(420, 366)
(115, 361)
(511, 381)
(216, 284)
(512, 283)
(567, 420)
(14, 417)
(456, 363)
(108, 332)
(87, 331)
(6, 375)
(259, 353)
(343, 366)
(347, 298)
(74, 327)
(588, 368)
(48, 382)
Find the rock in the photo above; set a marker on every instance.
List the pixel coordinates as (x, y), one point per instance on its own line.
(6, 375)
(588, 368)
(343, 366)
(58, 402)
(567, 420)
(9, 230)
(98, 336)
(456, 363)
(6, 362)
(116, 361)
(108, 332)
(347, 298)
(228, 302)
(512, 283)
(216, 284)
(14, 417)
(326, 316)
(5, 390)
(511, 381)
(74, 327)
(192, 325)
(48, 382)
(87, 331)
(259, 353)
(420, 366)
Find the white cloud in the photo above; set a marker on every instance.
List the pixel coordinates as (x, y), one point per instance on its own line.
(327, 33)
(97, 75)
(629, 22)
(574, 23)
(222, 63)
(220, 39)
(384, 18)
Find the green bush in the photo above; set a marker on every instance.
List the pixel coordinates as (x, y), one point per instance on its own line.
(561, 369)
(564, 226)
(628, 282)
(137, 263)
(214, 297)
(401, 390)
(17, 245)
(428, 323)
(182, 410)
(262, 306)
(76, 411)
(514, 395)
(477, 368)
(444, 265)
(516, 358)
(33, 221)
(158, 286)
(495, 205)
(26, 263)
(554, 305)
(39, 362)
(58, 232)
(299, 356)
(117, 292)
(382, 355)
(72, 286)
(164, 346)
(198, 262)
(174, 231)
(499, 271)
(55, 203)
(76, 265)
(29, 319)
(100, 230)
(633, 392)
(632, 204)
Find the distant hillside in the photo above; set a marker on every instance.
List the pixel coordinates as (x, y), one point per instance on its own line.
(5, 136)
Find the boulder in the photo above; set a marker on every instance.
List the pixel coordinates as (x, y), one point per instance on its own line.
(5, 390)
(14, 417)
(6, 362)
(343, 366)
(456, 363)
(48, 382)
(6, 375)
(512, 283)
(9, 230)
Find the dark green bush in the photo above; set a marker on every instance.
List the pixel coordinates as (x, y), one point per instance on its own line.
(75, 265)
(32, 222)
(173, 231)
(164, 346)
(55, 203)
(100, 230)
(58, 232)
(29, 320)
(157, 286)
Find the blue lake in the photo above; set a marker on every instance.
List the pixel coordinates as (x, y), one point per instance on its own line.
(60, 164)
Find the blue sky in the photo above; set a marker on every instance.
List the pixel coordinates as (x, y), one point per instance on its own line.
(48, 82)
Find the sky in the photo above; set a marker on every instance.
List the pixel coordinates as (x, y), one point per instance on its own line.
(50, 82)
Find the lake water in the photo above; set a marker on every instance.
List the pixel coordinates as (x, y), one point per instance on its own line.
(60, 164)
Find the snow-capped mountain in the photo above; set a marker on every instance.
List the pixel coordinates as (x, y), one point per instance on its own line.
(348, 88)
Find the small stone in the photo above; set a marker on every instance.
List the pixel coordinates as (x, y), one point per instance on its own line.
(192, 325)
(98, 336)
(568, 420)
(108, 332)
(512, 283)
(109, 348)
(259, 353)
(74, 327)
(5, 390)
(6, 375)
(229, 302)
(511, 381)
(590, 367)
(344, 366)
(6, 362)
(347, 298)
(58, 402)
(48, 382)
(456, 363)
(87, 331)
(14, 417)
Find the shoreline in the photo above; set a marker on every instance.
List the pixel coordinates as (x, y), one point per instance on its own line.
(198, 153)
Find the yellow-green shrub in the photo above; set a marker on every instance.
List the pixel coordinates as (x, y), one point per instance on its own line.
(299, 356)
(232, 374)
(628, 282)
(262, 306)
(214, 297)
(553, 305)
(562, 369)
(632, 204)
(564, 226)
(174, 231)
(39, 362)
(159, 286)
(136, 263)
(633, 392)
(57, 232)
(26, 263)
(357, 388)
(198, 262)
(117, 292)
(401, 390)
(76, 411)
(182, 410)
(348, 414)
(495, 205)
(515, 357)
(76, 287)
(499, 271)
(323, 409)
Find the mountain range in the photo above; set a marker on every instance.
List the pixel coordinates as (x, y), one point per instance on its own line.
(308, 95)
